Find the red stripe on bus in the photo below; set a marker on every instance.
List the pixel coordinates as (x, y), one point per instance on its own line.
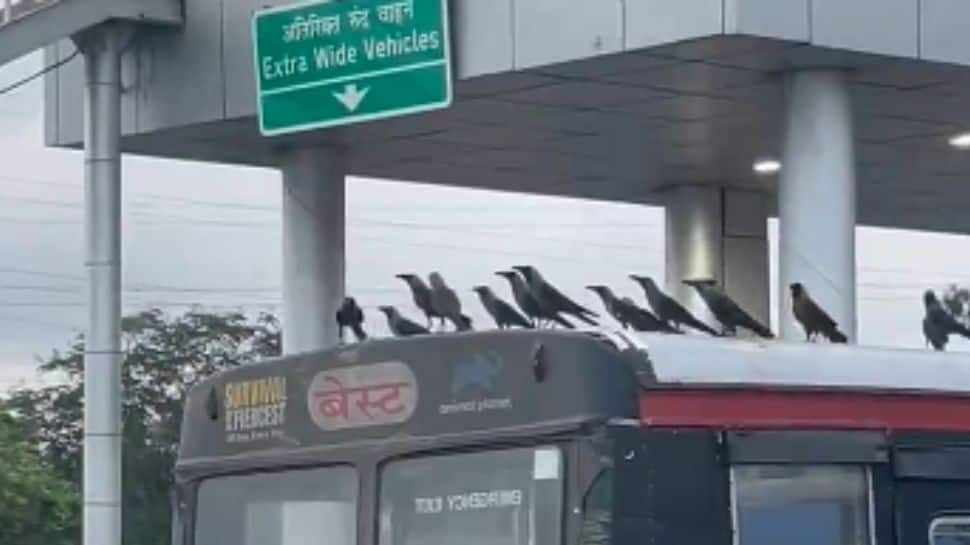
(748, 408)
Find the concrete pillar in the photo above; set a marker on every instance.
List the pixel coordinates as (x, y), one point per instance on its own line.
(817, 199)
(313, 246)
(718, 233)
(694, 246)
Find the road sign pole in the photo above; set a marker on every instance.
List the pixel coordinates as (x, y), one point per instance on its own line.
(102, 350)
(313, 246)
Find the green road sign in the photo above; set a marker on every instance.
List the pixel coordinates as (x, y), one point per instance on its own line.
(324, 64)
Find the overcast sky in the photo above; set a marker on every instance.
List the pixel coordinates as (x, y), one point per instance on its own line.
(207, 234)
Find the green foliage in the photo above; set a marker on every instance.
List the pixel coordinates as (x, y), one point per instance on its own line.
(37, 506)
(164, 357)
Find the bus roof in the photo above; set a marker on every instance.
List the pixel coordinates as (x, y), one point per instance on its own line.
(498, 382)
(718, 383)
(694, 361)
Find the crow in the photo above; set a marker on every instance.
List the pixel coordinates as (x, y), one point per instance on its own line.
(611, 303)
(421, 294)
(644, 320)
(500, 311)
(813, 319)
(550, 299)
(939, 324)
(726, 310)
(935, 337)
(668, 309)
(528, 304)
(401, 326)
(351, 315)
(445, 302)
(627, 312)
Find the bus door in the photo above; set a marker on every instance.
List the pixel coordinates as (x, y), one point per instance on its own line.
(932, 495)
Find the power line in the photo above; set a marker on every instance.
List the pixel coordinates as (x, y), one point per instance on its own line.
(32, 77)
(156, 219)
(142, 199)
(17, 319)
(17, 270)
(45, 202)
(497, 251)
(28, 221)
(50, 289)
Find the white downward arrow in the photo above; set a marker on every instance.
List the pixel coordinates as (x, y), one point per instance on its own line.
(351, 97)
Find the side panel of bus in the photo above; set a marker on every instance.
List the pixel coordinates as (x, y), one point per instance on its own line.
(932, 494)
(669, 487)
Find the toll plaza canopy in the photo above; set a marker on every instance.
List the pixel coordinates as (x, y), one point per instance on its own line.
(614, 99)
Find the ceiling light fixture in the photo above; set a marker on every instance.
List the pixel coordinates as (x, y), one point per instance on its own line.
(767, 166)
(961, 141)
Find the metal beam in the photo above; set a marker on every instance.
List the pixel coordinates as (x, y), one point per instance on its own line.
(25, 30)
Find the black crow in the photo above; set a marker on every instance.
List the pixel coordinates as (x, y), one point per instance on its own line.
(550, 299)
(421, 294)
(528, 304)
(935, 337)
(813, 318)
(668, 309)
(627, 312)
(939, 324)
(726, 310)
(401, 326)
(500, 311)
(642, 319)
(351, 315)
(445, 302)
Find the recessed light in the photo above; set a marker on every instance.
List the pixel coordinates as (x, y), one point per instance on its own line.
(767, 166)
(961, 141)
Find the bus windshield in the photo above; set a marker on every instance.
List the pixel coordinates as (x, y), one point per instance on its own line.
(299, 507)
(502, 497)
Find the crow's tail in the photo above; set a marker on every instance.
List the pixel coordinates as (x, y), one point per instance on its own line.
(701, 326)
(582, 317)
(761, 330)
(962, 330)
(562, 321)
(836, 336)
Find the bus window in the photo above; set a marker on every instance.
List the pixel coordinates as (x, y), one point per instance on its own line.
(300, 507)
(801, 505)
(950, 531)
(500, 497)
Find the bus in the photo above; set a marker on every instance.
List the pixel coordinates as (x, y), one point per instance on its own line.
(563, 438)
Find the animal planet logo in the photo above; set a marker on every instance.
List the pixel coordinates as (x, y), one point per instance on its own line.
(362, 395)
(475, 379)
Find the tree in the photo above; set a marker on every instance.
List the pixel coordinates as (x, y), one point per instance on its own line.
(164, 357)
(37, 506)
